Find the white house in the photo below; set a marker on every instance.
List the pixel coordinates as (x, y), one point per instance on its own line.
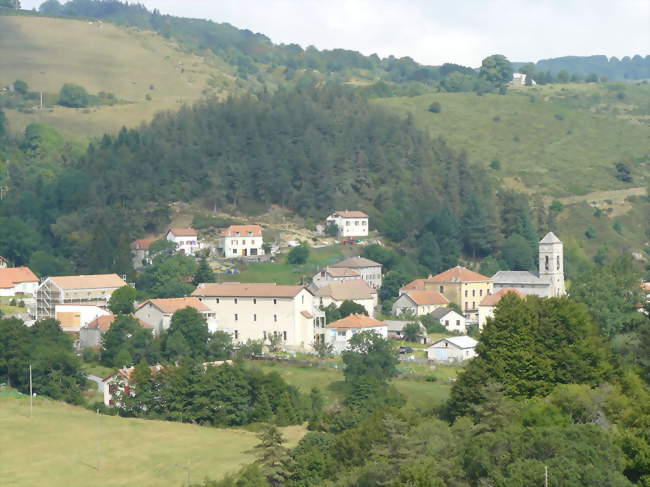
(450, 319)
(259, 311)
(418, 303)
(73, 317)
(94, 289)
(158, 312)
(350, 223)
(339, 333)
(186, 240)
(17, 282)
(487, 305)
(356, 291)
(334, 274)
(368, 270)
(519, 79)
(241, 241)
(452, 349)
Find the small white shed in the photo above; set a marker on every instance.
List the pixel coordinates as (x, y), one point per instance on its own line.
(452, 349)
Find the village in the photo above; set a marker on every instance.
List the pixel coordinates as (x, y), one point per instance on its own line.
(292, 318)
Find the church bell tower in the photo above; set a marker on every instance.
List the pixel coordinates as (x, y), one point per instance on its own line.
(551, 264)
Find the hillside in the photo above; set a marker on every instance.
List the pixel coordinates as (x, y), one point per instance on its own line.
(556, 140)
(132, 64)
(131, 451)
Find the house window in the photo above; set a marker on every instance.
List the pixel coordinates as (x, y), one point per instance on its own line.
(254, 317)
(558, 262)
(466, 305)
(442, 289)
(217, 300)
(465, 292)
(254, 301)
(275, 301)
(341, 333)
(236, 333)
(458, 323)
(236, 317)
(446, 323)
(473, 304)
(480, 293)
(284, 336)
(473, 292)
(264, 335)
(546, 264)
(302, 299)
(234, 251)
(235, 300)
(275, 318)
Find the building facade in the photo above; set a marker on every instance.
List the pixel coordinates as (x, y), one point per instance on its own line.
(418, 303)
(339, 333)
(75, 316)
(368, 270)
(350, 223)
(452, 349)
(158, 312)
(334, 274)
(94, 290)
(451, 319)
(241, 241)
(17, 282)
(186, 240)
(357, 291)
(262, 310)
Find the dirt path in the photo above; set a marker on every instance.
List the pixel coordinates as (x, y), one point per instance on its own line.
(616, 196)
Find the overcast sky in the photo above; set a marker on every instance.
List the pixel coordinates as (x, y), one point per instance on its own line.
(435, 31)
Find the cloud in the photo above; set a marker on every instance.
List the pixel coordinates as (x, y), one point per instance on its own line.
(434, 32)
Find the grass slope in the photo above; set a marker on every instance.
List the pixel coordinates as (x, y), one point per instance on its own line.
(557, 140)
(58, 447)
(48, 52)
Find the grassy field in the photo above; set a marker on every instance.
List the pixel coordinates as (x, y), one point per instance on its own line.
(418, 393)
(132, 64)
(61, 444)
(282, 272)
(558, 140)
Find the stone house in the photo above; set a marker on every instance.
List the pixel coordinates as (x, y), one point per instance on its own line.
(418, 303)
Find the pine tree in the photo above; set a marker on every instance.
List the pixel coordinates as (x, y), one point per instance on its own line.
(203, 272)
(317, 402)
(285, 413)
(262, 412)
(272, 456)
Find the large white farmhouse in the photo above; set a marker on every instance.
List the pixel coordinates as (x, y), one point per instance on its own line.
(260, 311)
(350, 223)
(241, 241)
(17, 281)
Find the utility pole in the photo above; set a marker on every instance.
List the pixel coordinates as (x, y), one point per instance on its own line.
(99, 435)
(545, 476)
(31, 394)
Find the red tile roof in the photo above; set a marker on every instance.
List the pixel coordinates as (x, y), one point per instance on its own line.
(356, 321)
(252, 290)
(430, 296)
(143, 243)
(103, 323)
(183, 232)
(458, 274)
(10, 276)
(171, 305)
(242, 231)
(493, 299)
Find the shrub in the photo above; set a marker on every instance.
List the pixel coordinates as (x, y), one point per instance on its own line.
(298, 255)
(559, 116)
(73, 96)
(495, 164)
(496, 118)
(21, 86)
(435, 107)
(590, 233)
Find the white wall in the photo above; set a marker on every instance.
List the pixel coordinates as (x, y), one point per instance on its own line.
(457, 322)
(339, 338)
(235, 246)
(248, 318)
(87, 314)
(21, 287)
(350, 227)
(449, 353)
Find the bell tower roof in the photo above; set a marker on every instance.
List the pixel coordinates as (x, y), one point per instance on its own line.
(550, 238)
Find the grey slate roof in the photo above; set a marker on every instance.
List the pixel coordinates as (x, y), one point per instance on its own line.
(438, 313)
(550, 238)
(517, 277)
(356, 262)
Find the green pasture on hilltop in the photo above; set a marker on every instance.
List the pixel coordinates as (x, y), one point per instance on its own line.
(85, 449)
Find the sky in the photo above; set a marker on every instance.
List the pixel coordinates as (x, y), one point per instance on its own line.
(434, 31)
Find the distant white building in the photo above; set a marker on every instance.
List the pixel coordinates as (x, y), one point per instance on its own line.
(350, 223)
(450, 319)
(339, 333)
(158, 312)
(368, 270)
(259, 311)
(452, 349)
(186, 240)
(140, 251)
(17, 282)
(73, 317)
(334, 274)
(241, 241)
(418, 303)
(519, 79)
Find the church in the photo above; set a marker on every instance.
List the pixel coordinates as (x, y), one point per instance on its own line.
(549, 282)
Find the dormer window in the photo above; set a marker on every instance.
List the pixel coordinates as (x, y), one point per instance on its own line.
(546, 263)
